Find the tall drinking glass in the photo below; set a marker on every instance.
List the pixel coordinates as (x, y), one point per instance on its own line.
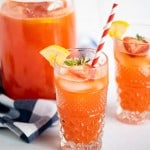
(132, 57)
(27, 27)
(81, 92)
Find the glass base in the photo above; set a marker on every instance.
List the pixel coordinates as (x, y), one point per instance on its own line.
(80, 146)
(129, 117)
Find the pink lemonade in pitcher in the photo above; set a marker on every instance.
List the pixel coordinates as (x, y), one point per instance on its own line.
(26, 28)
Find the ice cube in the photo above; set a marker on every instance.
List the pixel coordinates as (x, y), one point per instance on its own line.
(79, 72)
(74, 86)
(145, 70)
(102, 59)
(39, 9)
(56, 5)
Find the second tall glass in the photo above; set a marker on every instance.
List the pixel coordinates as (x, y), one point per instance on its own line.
(132, 57)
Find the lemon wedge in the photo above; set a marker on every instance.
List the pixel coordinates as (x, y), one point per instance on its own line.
(52, 52)
(118, 28)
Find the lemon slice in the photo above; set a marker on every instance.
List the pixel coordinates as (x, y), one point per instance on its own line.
(51, 52)
(118, 28)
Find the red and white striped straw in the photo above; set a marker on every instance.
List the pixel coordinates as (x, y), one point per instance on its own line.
(104, 34)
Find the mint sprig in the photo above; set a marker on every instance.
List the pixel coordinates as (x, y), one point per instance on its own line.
(76, 61)
(139, 37)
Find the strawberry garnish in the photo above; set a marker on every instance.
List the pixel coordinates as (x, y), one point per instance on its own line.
(136, 45)
(83, 72)
(78, 72)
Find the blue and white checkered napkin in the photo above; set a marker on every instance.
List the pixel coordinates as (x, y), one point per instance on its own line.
(27, 118)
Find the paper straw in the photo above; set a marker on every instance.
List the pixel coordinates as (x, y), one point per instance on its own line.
(104, 34)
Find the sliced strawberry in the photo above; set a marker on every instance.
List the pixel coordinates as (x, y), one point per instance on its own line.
(78, 71)
(83, 72)
(135, 46)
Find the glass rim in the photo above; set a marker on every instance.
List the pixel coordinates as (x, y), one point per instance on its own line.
(121, 40)
(132, 25)
(87, 49)
(100, 70)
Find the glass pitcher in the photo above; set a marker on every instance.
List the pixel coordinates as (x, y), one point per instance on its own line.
(26, 27)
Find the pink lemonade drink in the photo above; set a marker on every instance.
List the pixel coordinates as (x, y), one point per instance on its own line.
(27, 27)
(132, 57)
(81, 92)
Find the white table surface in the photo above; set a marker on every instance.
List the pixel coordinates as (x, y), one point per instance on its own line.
(117, 136)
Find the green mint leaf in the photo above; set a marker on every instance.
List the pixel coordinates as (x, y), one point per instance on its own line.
(139, 37)
(76, 61)
(69, 62)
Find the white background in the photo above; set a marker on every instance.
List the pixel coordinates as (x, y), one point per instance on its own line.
(91, 17)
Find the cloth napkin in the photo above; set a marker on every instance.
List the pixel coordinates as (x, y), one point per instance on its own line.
(27, 118)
